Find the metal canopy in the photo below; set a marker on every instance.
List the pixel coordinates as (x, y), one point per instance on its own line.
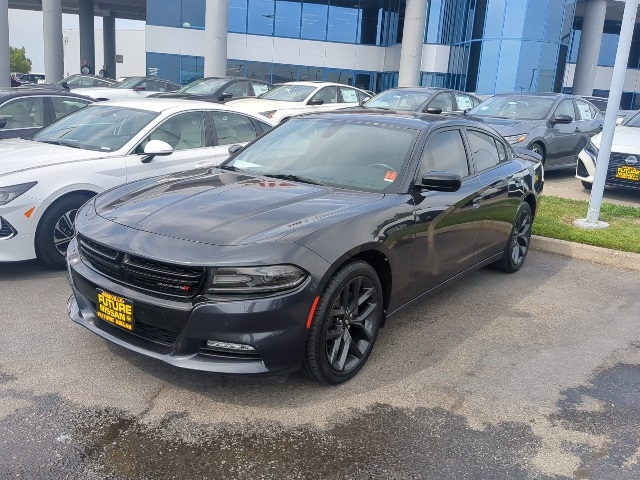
(129, 9)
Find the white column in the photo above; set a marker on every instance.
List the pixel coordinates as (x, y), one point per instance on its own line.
(589, 49)
(215, 35)
(415, 19)
(109, 44)
(52, 36)
(87, 37)
(5, 72)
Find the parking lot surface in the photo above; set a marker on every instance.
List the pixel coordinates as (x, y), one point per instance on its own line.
(563, 183)
(532, 375)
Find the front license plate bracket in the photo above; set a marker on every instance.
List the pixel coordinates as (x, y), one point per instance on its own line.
(115, 310)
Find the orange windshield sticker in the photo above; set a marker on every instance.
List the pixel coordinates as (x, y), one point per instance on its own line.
(390, 176)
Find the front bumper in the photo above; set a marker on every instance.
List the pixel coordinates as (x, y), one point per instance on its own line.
(176, 331)
(585, 167)
(19, 245)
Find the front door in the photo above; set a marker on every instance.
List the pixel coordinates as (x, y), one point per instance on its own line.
(563, 138)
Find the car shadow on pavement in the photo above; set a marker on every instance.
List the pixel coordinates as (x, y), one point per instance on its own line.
(26, 270)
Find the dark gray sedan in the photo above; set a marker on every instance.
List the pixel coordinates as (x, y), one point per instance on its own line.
(420, 99)
(554, 125)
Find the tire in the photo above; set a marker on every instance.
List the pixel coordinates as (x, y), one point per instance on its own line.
(517, 247)
(586, 185)
(539, 149)
(56, 229)
(334, 327)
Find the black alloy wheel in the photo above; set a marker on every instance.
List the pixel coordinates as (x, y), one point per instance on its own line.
(517, 247)
(345, 325)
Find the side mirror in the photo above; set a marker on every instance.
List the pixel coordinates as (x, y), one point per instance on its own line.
(234, 148)
(225, 96)
(156, 148)
(433, 110)
(441, 182)
(139, 89)
(562, 119)
(619, 120)
(317, 101)
(3, 122)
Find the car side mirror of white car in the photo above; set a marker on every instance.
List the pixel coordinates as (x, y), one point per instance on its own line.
(156, 148)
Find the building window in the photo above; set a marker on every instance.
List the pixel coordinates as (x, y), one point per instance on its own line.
(287, 20)
(193, 13)
(163, 13)
(309, 74)
(163, 65)
(236, 68)
(284, 73)
(343, 19)
(191, 69)
(314, 21)
(259, 71)
(261, 15)
(237, 21)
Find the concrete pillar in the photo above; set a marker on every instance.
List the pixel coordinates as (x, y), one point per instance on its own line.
(109, 44)
(215, 34)
(415, 19)
(87, 40)
(52, 36)
(5, 72)
(589, 49)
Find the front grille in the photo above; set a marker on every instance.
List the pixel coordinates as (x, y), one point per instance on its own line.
(155, 334)
(6, 230)
(142, 273)
(616, 160)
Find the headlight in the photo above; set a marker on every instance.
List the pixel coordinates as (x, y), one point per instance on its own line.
(7, 194)
(512, 139)
(268, 114)
(591, 150)
(251, 280)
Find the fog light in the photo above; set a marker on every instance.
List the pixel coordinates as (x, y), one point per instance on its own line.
(230, 346)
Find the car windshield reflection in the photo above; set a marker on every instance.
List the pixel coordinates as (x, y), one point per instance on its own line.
(516, 107)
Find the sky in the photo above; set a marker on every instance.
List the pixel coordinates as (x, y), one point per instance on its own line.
(25, 29)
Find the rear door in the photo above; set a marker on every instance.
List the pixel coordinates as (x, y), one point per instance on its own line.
(329, 97)
(348, 97)
(562, 139)
(589, 121)
(230, 128)
(22, 116)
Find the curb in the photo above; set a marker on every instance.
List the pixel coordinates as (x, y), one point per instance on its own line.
(603, 256)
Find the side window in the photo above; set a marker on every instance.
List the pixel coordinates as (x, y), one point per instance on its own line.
(170, 87)
(483, 149)
(238, 89)
(502, 151)
(260, 88)
(183, 132)
(348, 95)
(445, 152)
(27, 112)
(232, 128)
(156, 86)
(566, 108)
(464, 101)
(362, 96)
(443, 101)
(584, 111)
(327, 95)
(63, 106)
(264, 126)
(100, 83)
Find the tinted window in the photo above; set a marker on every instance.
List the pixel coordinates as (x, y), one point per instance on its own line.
(483, 149)
(232, 128)
(566, 108)
(25, 112)
(327, 95)
(238, 89)
(183, 132)
(64, 106)
(443, 101)
(585, 112)
(445, 153)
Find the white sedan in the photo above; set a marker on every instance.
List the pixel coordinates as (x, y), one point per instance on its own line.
(132, 87)
(624, 162)
(43, 181)
(295, 98)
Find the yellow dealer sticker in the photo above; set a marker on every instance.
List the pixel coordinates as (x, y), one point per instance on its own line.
(115, 310)
(628, 173)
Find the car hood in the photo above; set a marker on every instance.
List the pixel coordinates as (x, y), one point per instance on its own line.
(626, 139)
(226, 208)
(17, 155)
(257, 105)
(509, 126)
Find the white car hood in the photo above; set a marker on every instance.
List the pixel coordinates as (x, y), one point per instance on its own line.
(257, 105)
(625, 140)
(17, 155)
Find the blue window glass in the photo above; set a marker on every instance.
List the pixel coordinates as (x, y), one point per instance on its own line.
(237, 16)
(261, 15)
(284, 73)
(371, 30)
(555, 20)
(163, 65)
(528, 71)
(288, 19)
(310, 73)
(314, 21)
(343, 21)
(163, 13)
(191, 69)
(514, 19)
(259, 71)
(508, 66)
(236, 68)
(494, 18)
(575, 44)
(548, 66)
(364, 80)
(567, 26)
(536, 19)
(193, 13)
(339, 76)
(608, 49)
(488, 66)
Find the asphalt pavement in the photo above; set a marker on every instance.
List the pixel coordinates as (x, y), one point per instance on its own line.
(563, 183)
(532, 375)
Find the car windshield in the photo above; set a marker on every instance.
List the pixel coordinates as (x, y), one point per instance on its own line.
(289, 93)
(518, 107)
(128, 83)
(339, 153)
(100, 128)
(398, 100)
(204, 87)
(633, 121)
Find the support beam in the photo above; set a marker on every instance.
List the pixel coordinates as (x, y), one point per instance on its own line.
(87, 40)
(109, 44)
(415, 19)
(589, 49)
(52, 36)
(5, 72)
(215, 34)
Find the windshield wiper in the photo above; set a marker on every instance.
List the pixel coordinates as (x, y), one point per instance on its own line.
(57, 142)
(294, 178)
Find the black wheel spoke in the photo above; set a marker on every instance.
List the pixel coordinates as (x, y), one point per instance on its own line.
(365, 295)
(345, 346)
(355, 287)
(333, 334)
(358, 330)
(362, 317)
(63, 232)
(355, 350)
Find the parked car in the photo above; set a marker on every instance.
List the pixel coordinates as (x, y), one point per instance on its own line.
(214, 89)
(24, 111)
(555, 126)
(601, 104)
(132, 87)
(15, 82)
(419, 99)
(295, 98)
(27, 78)
(43, 181)
(73, 82)
(624, 161)
(295, 251)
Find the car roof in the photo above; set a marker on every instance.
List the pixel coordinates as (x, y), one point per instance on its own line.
(158, 104)
(27, 91)
(232, 78)
(533, 94)
(318, 84)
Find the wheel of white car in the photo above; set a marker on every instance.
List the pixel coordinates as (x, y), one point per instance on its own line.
(56, 229)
